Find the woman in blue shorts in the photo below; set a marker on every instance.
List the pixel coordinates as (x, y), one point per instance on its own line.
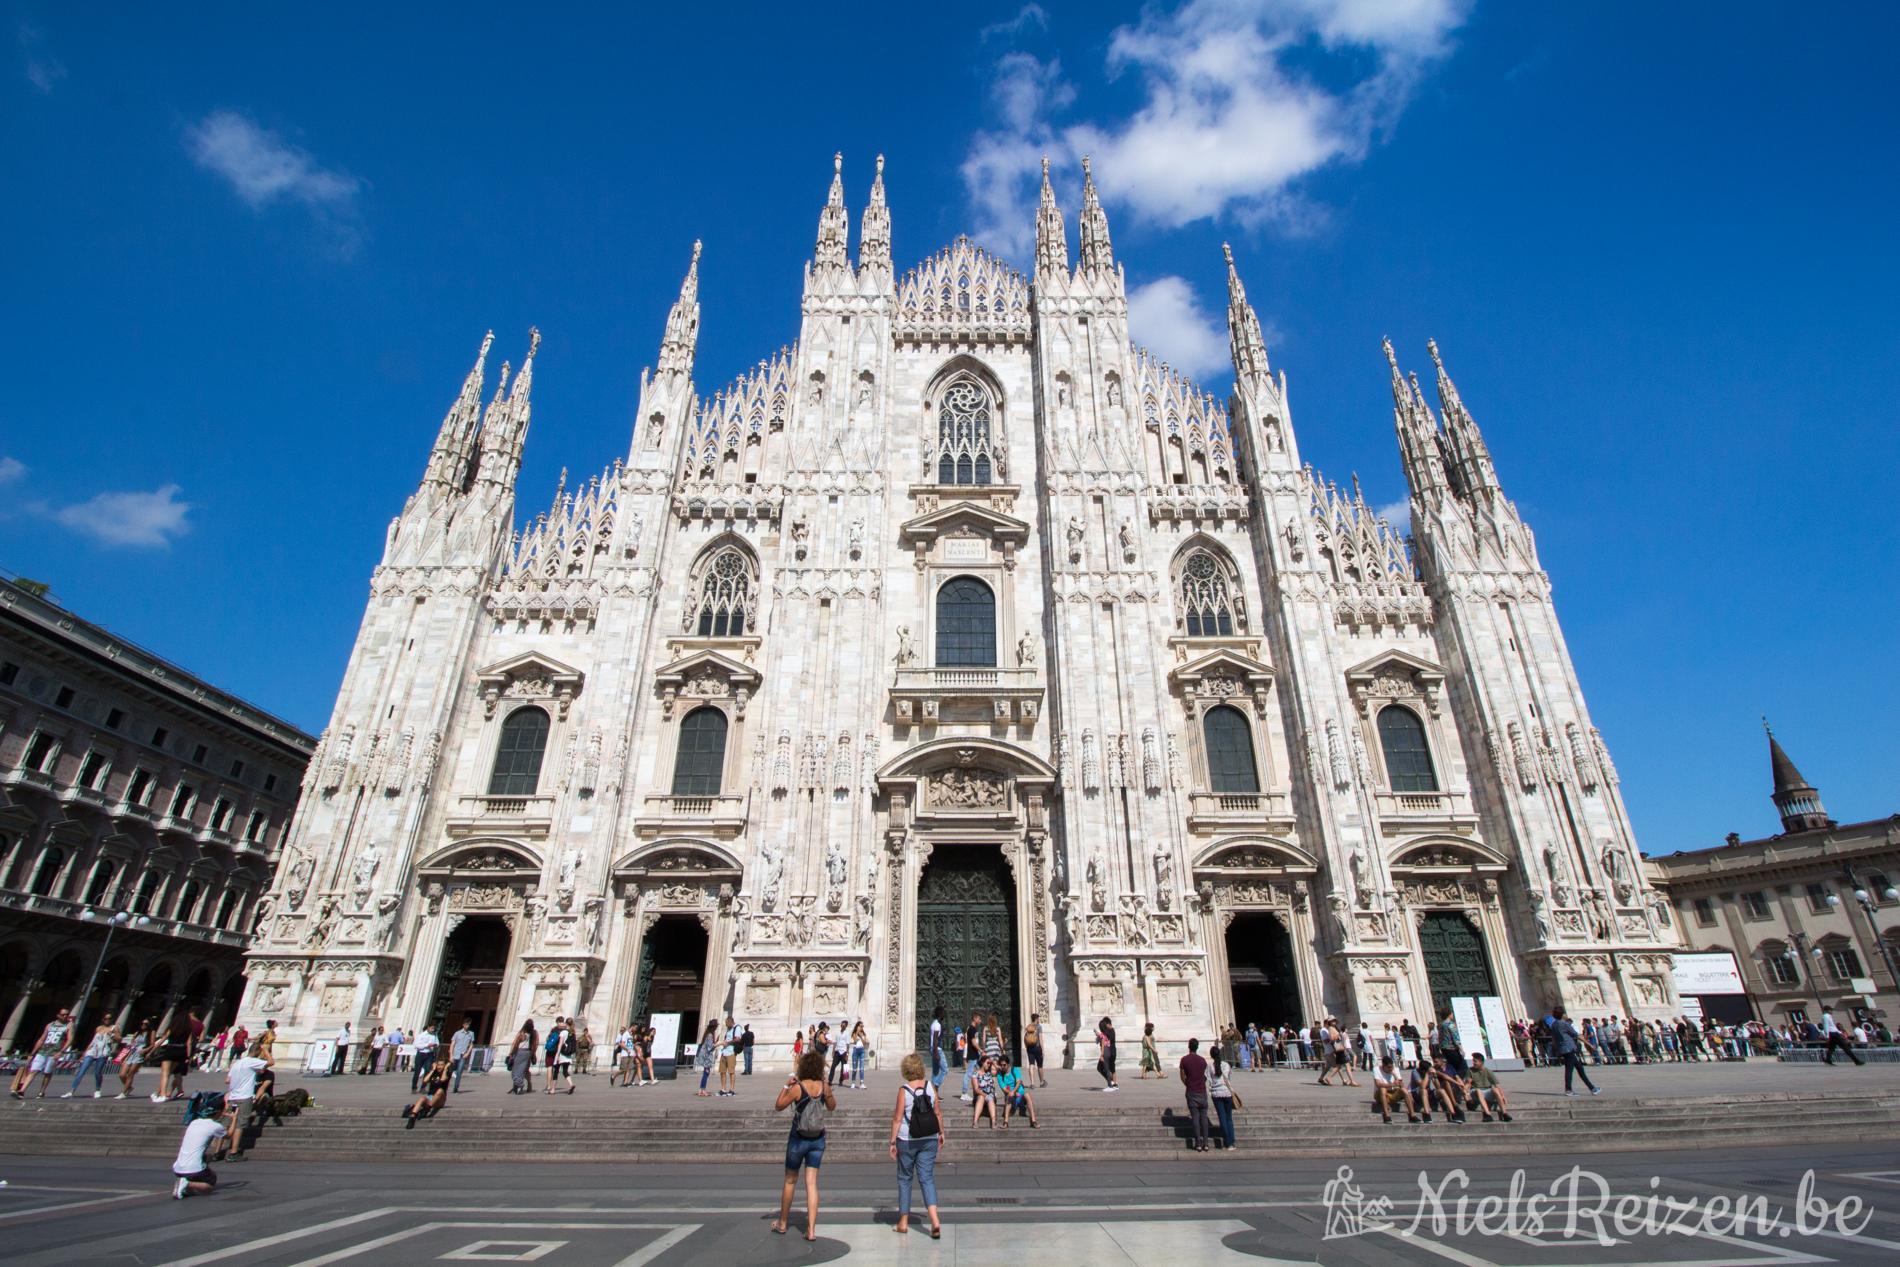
(806, 1145)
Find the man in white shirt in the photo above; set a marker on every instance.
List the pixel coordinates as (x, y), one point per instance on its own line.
(729, 1060)
(1832, 1036)
(191, 1172)
(340, 1061)
(426, 1043)
(840, 1053)
(1388, 1088)
(241, 1081)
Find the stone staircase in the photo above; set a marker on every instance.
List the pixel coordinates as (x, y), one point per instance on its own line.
(591, 1131)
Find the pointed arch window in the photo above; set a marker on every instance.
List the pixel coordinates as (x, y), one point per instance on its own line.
(1207, 596)
(723, 598)
(701, 763)
(1408, 758)
(965, 452)
(966, 624)
(1229, 740)
(524, 742)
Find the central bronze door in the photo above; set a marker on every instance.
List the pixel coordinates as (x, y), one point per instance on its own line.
(966, 943)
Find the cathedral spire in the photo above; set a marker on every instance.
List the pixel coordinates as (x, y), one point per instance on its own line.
(1244, 339)
(1468, 450)
(682, 323)
(834, 225)
(455, 442)
(1097, 255)
(1418, 433)
(874, 232)
(1797, 800)
(1052, 235)
(505, 424)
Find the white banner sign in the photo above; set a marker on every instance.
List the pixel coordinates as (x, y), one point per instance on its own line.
(1711, 973)
(1691, 1008)
(666, 1035)
(1497, 1028)
(1470, 1031)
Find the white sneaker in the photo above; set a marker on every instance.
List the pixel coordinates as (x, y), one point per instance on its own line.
(178, 1188)
(1596, 1090)
(119, 1096)
(158, 1099)
(66, 1095)
(98, 1095)
(966, 1099)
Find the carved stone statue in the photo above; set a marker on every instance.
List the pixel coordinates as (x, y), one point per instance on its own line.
(1026, 650)
(1359, 884)
(386, 921)
(906, 647)
(299, 883)
(801, 531)
(861, 927)
(771, 862)
(1114, 390)
(801, 924)
(1540, 915)
(1098, 893)
(1164, 876)
(1126, 535)
(741, 914)
(1074, 534)
(856, 537)
(1342, 924)
(837, 871)
(1616, 867)
(590, 922)
(363, 876)
(323, 927)
(570, 870)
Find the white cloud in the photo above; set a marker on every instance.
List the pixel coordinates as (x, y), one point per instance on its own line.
(129, 519)
(998, 171)
(1032, 15)
(1166, 317)
(1398, 514)
(12, 471)
(262, 167)
(43, 70)
(1238, 99)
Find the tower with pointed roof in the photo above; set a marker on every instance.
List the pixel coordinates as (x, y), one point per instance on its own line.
(1796, 800)
(962, 652)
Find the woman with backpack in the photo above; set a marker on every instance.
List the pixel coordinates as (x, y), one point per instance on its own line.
(806, 1145)
(561, 1048)
(916, 1140)
(521, 1059)
(703, 1057)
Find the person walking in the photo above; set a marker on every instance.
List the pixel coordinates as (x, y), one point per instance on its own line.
(98, 1054)
(561, 1045)
(55, 1037)
(521, 1059)
(1451, 1045)
(461, 1051)
(1831, 1036)
(840, 1055)
(745, 1051)
(805, 1146)
(1032, 1051)
(1222, 1095)
(1566, 1048)
(1150, 1058)
(860, 1048)
(1105, 1045)
(917, 1139)
(1193, 1072)
(939, 1063)
(704, 1056)
(174, 1058)
(132, 1058)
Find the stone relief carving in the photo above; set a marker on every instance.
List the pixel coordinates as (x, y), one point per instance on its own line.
(836, 873)
(968, 789)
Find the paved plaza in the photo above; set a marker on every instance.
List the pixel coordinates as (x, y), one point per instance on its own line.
(1246, 1209)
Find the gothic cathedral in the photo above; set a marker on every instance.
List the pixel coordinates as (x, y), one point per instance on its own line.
(960, 654)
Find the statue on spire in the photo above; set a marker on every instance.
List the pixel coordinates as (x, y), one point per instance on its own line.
(874, 233)
(682, 323)
(1244, 339)
(834, 226)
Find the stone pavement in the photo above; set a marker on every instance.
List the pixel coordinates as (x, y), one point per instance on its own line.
(1238, 1210)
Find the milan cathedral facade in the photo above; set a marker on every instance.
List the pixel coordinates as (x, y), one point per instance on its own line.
(960, 654)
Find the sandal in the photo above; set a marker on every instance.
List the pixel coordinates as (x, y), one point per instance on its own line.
(778, 1227)
(936, 1232)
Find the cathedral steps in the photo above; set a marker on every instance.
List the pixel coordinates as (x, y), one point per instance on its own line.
(592, 1131)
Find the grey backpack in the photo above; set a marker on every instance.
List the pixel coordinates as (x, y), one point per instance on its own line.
(808, 1120)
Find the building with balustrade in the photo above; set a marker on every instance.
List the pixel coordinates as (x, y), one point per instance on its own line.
(961, 654)
(127, 785)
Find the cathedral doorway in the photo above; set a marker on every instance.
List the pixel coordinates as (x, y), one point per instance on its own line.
(474, 961)
(966, 942)
(672, 974)
(1456, 965)
(1260, 971)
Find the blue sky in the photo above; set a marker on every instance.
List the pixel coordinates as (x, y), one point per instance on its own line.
(253, 250)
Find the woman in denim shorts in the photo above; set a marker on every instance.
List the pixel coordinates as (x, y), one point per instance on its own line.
(801, 1151)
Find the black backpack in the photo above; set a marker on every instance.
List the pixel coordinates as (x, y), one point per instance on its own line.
(923, 1115)
(567, 1044)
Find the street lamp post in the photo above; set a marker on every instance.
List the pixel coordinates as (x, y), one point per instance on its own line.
(113, 925)
(1808, 954)
(1867, 901)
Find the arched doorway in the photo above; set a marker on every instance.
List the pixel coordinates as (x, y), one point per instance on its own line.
(108, 993)
(1260, 971)
(154, 995)
(672, 974)
(63, 978)
(474, 961)
(1456, 965)
(966, 941)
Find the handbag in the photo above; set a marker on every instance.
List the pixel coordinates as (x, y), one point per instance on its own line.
(1234, 1096)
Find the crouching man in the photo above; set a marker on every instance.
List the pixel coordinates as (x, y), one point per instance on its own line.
(1484, 1085)
(1388, 1089)
(205, 1140)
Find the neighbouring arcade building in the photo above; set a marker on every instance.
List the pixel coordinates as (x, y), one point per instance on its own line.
(128, 787)
(960, 653)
